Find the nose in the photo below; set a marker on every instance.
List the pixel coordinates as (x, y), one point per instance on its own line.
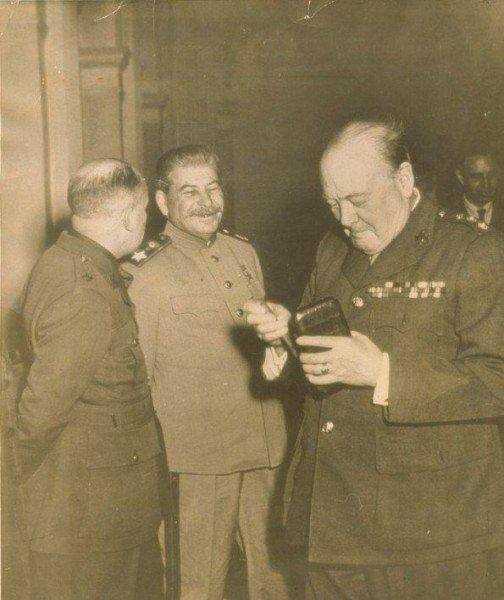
(206, 200)
(348, 216)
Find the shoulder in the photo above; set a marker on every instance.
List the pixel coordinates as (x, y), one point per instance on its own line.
(333, 243)
(59, 272)
(146, 262)
(481, 246)
(235, 238)
(148, 250)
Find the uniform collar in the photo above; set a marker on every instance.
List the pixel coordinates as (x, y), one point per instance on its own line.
(473, 209)
(187, 240)
(91, 251)
(405, 249)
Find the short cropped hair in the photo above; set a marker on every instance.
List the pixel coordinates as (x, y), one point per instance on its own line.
(387, 135)
(183, 156)
(103, 187)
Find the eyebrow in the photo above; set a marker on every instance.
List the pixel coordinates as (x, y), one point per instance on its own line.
(191, 186)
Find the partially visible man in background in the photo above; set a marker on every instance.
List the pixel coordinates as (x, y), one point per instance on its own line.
(225, 434)
(396, 487)
(89, 456)
(478, 176)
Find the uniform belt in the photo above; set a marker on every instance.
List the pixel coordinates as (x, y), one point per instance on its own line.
(122, 417)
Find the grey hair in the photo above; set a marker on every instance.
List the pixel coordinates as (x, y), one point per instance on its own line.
(103, 187)
(387, 135)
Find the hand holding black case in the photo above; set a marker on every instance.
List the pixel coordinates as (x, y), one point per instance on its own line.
(325, 317)
(321, 318)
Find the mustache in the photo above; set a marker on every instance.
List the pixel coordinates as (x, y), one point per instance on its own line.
(205, 212)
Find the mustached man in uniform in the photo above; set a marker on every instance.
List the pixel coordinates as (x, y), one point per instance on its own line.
(396, 488)
(224, 435)
(480, 201)
(87, 445)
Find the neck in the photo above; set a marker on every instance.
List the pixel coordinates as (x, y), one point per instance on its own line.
(99, 233)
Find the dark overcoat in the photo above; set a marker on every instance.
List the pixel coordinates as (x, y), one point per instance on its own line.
(87, 443)
(424, 479)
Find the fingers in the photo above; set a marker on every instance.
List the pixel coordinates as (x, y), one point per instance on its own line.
(318, 369)
(315, 358)
(322, 379)
(323, 341)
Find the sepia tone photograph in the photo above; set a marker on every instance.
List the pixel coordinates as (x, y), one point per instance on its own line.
(252, 299)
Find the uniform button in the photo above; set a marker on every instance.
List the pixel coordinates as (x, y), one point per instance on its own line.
(228, 285)
(358, 302)
(215, 258)
(134, 458)
(134, 342)
(239, 312)
(327, 427)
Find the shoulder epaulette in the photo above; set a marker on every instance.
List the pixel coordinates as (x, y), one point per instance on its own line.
(148, 249)
(463, 217)
(235, 235)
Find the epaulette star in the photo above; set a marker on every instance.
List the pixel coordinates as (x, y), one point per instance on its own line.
(149, 249)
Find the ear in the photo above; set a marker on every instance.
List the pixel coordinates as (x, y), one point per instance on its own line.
(162, 202)
(405, 179)
(128, 218)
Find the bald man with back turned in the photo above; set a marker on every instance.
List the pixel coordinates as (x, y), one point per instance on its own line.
(89, 456)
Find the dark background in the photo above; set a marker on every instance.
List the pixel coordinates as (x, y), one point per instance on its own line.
(267, 86)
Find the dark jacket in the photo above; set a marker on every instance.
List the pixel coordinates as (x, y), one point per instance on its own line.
(88, 449)
(424, 479)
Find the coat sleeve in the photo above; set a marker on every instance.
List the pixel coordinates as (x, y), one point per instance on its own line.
(69, 338)
(471, 385)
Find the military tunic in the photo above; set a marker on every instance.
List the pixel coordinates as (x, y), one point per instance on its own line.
(224, 430)
(89, 452)
(422, 480)
(202, 359)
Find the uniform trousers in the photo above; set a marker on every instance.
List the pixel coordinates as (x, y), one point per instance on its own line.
(133, 574)
(215, 511)
(476, 577)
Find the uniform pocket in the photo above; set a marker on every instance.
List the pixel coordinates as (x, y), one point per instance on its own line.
(433, 489)
(123, 485)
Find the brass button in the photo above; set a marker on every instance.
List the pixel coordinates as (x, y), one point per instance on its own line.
(215, 258)
(358, 302)
(134, 342)
(134, 458)
(228, 285)
(327, 427)
(239, 312)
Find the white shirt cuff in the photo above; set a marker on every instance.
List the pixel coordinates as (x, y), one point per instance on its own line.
(381, 391)
(274, 362)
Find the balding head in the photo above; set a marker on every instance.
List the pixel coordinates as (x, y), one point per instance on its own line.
(108, 200)
(368, 182)
(103, 188)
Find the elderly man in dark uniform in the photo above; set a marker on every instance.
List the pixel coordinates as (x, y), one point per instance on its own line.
(480, 201)
(398, 475)
(225, 434)
(89, 456)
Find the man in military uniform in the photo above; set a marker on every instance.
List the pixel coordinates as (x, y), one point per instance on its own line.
(404, 463)
(89, 455)
(478, 177)
(224, 433)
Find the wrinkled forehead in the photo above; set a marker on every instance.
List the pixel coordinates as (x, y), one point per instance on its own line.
(352, 167)
(193, 175)
(481, 163)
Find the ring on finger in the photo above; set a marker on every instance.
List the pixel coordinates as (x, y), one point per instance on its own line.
(325, 369)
